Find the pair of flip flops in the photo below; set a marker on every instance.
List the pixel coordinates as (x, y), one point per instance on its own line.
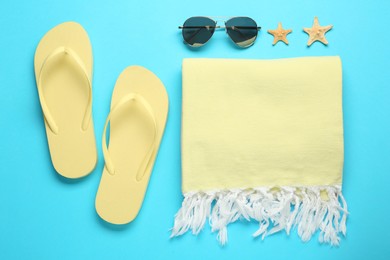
(139, 107)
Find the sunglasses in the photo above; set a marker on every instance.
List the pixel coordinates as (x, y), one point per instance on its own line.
(198, 30)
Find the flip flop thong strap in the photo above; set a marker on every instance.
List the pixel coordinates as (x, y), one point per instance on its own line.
(46, 112)
(135, 98)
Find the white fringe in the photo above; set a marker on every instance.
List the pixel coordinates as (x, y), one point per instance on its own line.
(275, 209)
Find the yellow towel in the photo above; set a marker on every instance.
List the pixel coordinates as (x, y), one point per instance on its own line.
(263, 140)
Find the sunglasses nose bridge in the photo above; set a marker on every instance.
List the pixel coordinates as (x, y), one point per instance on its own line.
(220, 24)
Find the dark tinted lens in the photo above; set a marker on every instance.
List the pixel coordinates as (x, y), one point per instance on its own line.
(242, 30)
(198, 30)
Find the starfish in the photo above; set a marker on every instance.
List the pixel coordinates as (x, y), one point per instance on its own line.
(317, 32)
(280, 34)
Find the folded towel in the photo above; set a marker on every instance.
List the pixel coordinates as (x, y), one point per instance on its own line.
(263, 140)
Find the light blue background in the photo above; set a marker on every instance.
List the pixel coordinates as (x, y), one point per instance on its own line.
(43, 216)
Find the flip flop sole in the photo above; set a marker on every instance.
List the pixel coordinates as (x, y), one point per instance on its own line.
(120, 196)
(72, 150)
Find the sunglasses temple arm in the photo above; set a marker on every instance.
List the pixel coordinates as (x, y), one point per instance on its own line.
(196, 33)
(231, 27)
(243, 27)
(216, 27)
(234, 28)
(199, 27)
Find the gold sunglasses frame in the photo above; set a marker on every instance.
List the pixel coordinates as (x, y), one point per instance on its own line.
(217, 19)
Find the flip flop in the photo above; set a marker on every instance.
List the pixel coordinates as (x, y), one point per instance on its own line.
(63, 72)
(139, 108)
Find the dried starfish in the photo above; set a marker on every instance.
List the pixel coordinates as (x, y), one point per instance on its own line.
(280, 34)
(317, 32)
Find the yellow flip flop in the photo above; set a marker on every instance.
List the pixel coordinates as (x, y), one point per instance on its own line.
(139, 108)
(63, 72)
